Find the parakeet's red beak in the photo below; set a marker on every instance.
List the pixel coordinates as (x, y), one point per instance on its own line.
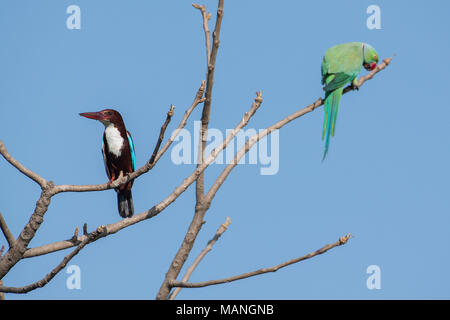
(370, 66)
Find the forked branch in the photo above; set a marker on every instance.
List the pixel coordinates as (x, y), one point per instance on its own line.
(181, 284)
(223, 227)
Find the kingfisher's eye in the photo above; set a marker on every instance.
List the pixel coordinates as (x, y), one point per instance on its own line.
(109, 113)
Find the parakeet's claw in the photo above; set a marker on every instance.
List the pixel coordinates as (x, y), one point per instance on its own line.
(355, 85)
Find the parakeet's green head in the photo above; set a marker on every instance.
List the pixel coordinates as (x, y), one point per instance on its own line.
(370, 57)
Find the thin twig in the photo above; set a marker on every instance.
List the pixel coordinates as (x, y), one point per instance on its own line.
(181, 284)
(8, 235)
(197, 100)
(211, 66)
(52, 247)
(223, 227)
(161, 134)
(206, 17)
(16, 164)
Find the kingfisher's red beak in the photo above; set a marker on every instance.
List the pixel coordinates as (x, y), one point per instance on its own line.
(93, 115)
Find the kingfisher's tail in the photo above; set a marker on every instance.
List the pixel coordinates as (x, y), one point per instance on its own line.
(125, 203)
(331, 107)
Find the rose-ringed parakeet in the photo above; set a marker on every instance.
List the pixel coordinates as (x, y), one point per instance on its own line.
(340, 66)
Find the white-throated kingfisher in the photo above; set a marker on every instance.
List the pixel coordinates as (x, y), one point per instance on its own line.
(118, 155)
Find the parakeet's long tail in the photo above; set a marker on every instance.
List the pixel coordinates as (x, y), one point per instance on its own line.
(125, 203)
(331, 107)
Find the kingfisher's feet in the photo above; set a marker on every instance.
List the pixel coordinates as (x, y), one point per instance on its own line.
(109, 182)
(121, 175)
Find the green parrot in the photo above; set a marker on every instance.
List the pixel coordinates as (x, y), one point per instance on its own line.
(340, 66)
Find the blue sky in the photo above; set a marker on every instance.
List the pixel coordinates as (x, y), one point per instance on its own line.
(385, 179)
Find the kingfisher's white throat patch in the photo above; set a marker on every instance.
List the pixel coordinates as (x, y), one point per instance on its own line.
(113, 139)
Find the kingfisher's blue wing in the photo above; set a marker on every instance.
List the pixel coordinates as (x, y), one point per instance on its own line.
(133, 157)
(104, 161)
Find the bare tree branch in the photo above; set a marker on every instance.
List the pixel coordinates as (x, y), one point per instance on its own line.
(161, 135)
(223, 227)
(181, 284)
(206, 17)
(41, 283)
(197, 221)
(16, 251)
(8, 235)
(207, 104)
(211, 66)
(56, 246)
(30, 174)
(52, 247)
(211, 61)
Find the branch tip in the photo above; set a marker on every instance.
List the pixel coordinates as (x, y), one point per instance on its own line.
(171, 111)
(75, 235)
(227, 222)
(198, 6)
(185, 284)
(258, 96)
(343, 240)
